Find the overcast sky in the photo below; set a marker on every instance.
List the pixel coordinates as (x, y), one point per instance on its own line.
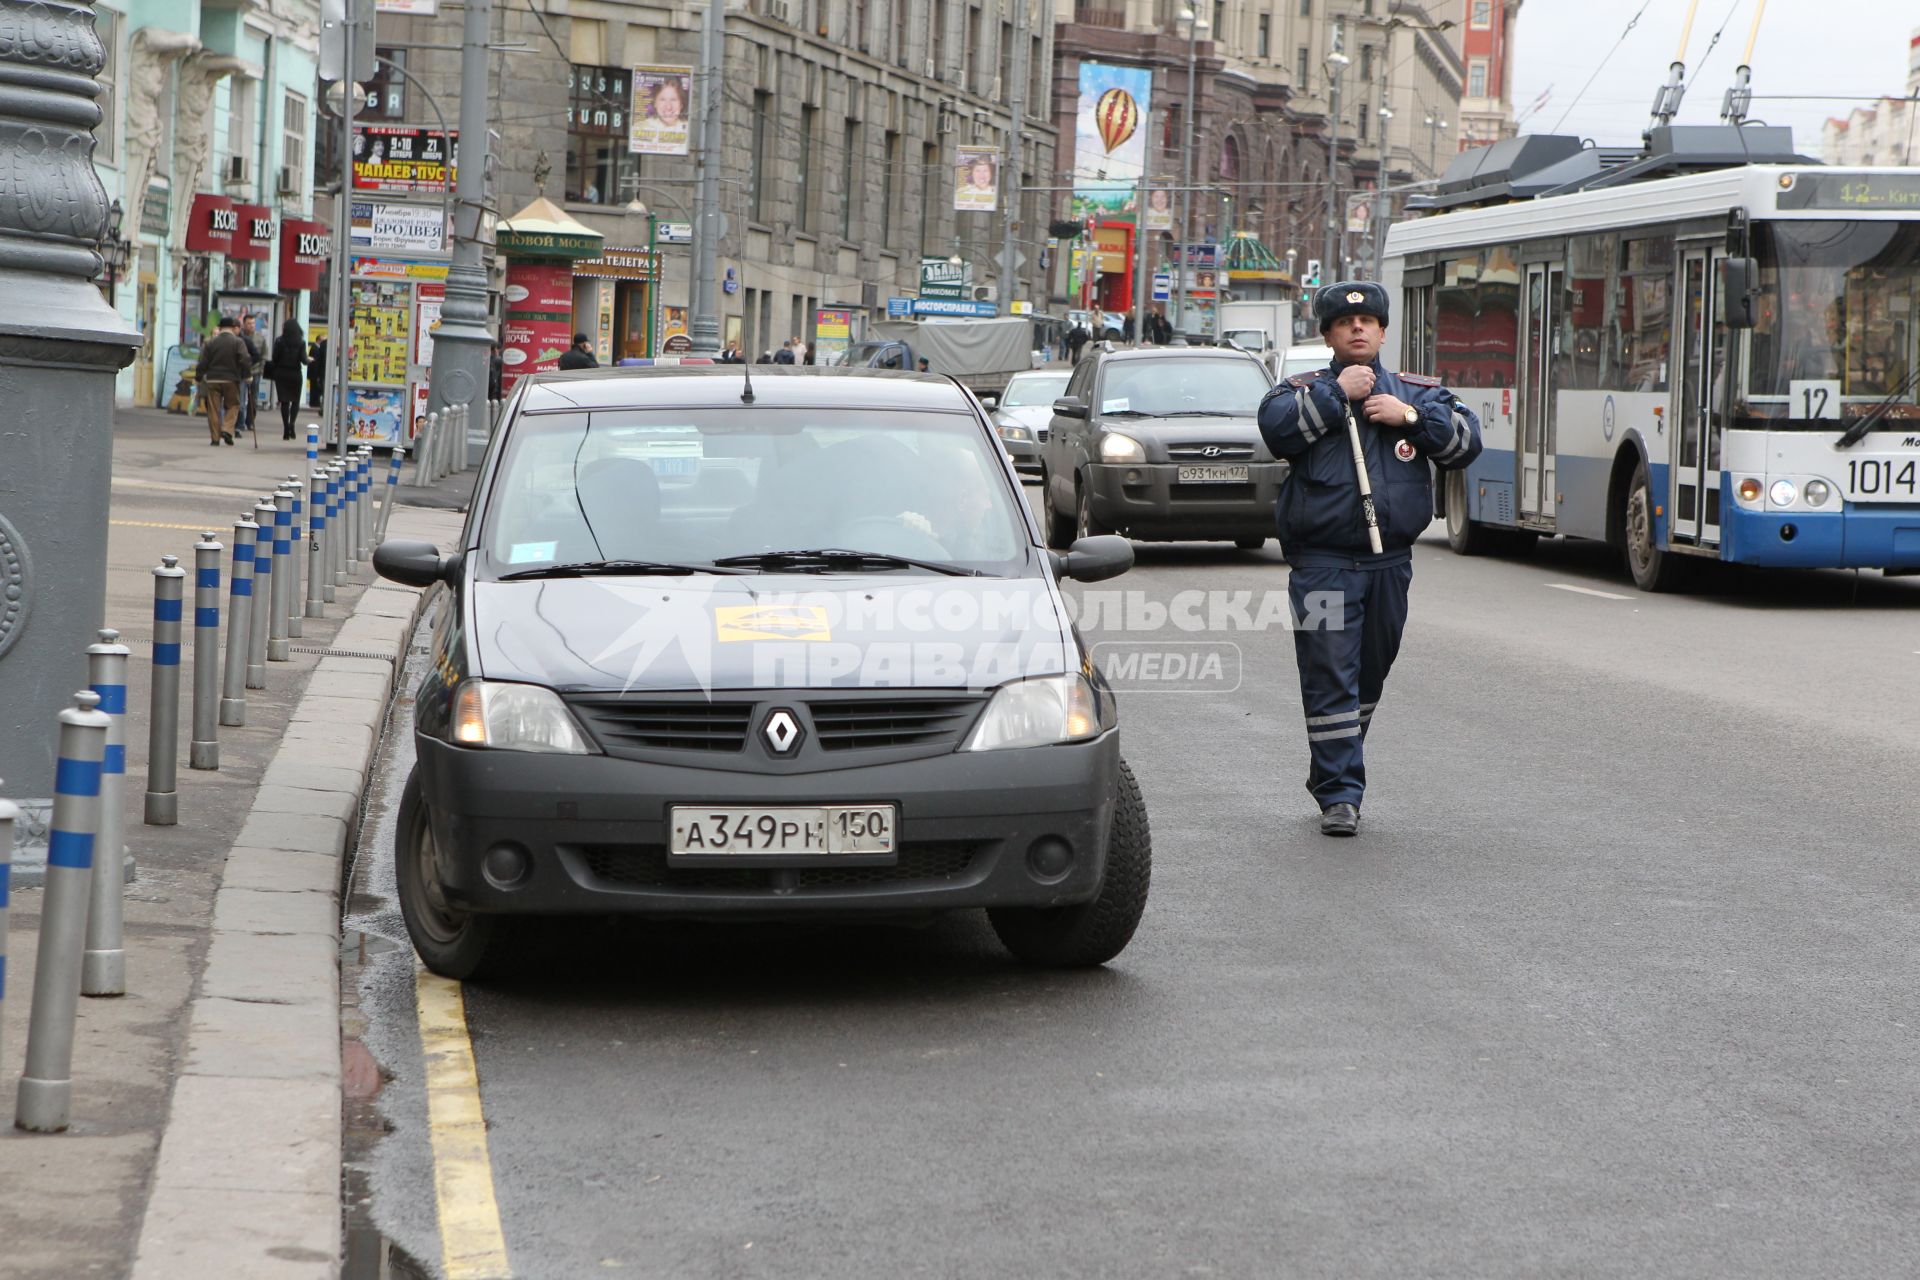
(1805, 46)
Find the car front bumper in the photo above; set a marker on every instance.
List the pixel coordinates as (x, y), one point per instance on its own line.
(1146, 501)
(591, 832)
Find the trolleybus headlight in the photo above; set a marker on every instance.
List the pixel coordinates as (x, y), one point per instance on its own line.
(1781, 493)
(1817, 492)
(1749, 490)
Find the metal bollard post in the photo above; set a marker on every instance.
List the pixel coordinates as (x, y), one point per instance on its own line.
(233, 688)
(359, 508)
(366, 504)
(423, 450)
(457, 441)
(262, 619)
(350, 510)
(203, 748)
(337, 521)
(9, 814)
(393, 488)
(103, 968)
(163, 716)
(331, 491)
(316, 550)
(296, 563)
(45, 1099)
(277, 647)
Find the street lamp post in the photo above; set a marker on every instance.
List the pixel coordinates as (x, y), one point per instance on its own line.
(1195, 24)
(1336, 63)
(706, 221)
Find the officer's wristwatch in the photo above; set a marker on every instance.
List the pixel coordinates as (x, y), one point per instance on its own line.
(1412, 418)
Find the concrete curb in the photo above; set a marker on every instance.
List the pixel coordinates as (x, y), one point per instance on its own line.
(247, 1180)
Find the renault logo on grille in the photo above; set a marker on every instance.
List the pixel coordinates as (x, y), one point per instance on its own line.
(782, 731)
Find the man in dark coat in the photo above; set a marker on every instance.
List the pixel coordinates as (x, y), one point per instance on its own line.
(1349, 600)
(579, 355)
(223, 367)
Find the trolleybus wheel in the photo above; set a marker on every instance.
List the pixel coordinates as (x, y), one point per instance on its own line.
(1466, 537)
(1652, 568)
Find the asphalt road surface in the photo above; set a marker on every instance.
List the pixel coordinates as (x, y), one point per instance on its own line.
(1617, 981)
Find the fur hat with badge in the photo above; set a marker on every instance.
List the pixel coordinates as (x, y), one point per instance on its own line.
(1349, 298)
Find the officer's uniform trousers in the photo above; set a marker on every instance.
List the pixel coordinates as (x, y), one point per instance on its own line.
(1347, 625)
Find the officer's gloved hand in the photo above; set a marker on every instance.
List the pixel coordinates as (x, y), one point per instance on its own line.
(1356, 380)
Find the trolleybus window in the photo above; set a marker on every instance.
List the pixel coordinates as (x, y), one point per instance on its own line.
(1840, 301)
(1477, 320)
(1643, 314)
(1591, 353)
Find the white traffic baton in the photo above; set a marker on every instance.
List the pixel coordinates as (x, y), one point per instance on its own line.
(1367, 512)
(203, 748)
(103, 966)
(278, 649)
(258, 624)
(233, 688)
(45, 1099)
(163, 714)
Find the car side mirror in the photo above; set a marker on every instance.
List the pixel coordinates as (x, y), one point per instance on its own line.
(1095, 559)
(1070, 407)
(991, 399)
(1739, 290)
(415, 564)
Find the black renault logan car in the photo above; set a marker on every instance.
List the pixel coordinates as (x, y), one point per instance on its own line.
(760, 642)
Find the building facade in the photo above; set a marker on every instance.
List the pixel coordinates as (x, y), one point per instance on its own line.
(1888, 132)
(1486, 106)
(841, 126)
(206, 146)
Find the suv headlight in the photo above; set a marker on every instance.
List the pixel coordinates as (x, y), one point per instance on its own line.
(1041, 712)
(516, 717)
(1115, 447)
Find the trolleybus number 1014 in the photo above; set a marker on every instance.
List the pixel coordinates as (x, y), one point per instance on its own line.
(1871, 477)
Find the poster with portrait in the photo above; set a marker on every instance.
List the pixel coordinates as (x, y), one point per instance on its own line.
(976, 179)
(1109, 137)
(662, 107)
(1159, 209)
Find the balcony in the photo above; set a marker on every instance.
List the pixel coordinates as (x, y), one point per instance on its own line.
(1094, 14)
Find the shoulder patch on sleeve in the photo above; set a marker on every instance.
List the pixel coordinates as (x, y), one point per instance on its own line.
(1302, 380)
(1418, 379)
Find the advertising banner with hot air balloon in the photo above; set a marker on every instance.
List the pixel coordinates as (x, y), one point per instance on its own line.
(1110, 137)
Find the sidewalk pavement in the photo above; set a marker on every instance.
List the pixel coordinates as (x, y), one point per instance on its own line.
(206, 1114)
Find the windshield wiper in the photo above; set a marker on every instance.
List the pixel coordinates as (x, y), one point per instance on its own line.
(857, 561)
(612, 569)
(1207, 413)
(1125, 413)
(1857, 432)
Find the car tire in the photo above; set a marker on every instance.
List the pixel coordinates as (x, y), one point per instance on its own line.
(1249, 544)
(450, 942)
(1085, 525)
(1059, 527)
(1090, 933)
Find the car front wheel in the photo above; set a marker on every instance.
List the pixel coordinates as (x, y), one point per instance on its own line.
(1090, 933)
(450, 942)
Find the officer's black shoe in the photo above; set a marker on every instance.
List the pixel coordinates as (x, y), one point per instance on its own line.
(1340, 820)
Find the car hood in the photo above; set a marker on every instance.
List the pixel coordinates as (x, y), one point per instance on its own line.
(1034, 417)
(768, 631)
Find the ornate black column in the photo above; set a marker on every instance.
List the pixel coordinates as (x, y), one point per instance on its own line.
(60, 345)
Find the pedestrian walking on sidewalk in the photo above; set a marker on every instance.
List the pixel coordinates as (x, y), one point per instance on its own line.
(256, 360)
(1349, 543)
(223, 366)
(286, 367)
(579, 355)
(317, 374)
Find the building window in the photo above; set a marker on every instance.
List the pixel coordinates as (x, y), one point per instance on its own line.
(1306, 8)
(809, 116)
(1483, 13)
(757, 161)
(937, 40)
(106, 138)
(889, 171)
(293, 149)
(971, 63)
(1005, 85)
(850, 176)
(387, 91)
(1477, 78)
(600, 169)
(929, 171)
(1301, 61)
(1366, 64)
(1262, 36)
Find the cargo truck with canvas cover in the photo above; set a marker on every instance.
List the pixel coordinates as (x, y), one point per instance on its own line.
(982, 354)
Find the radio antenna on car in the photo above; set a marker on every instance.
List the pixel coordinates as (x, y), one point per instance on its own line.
(746, 384)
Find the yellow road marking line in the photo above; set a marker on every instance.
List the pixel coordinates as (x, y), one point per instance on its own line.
(154, 524)
(472, 1246)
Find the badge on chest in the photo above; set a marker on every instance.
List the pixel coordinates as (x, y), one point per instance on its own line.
(1403, 450)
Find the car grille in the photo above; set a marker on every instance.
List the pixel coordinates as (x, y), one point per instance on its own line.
(1222, 452)
(845, 724)
(689, 725)
(645, 866)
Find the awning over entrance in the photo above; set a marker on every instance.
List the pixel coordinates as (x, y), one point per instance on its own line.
(1245, 258)
(543, 230)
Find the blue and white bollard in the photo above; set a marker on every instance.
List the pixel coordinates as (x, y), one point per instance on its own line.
(103, 968)
(297, 537)
(316, 546)
(45, 1100)
(233, 689)
(336, 528)
(278, 649)
(257, 625)
(203, 748)
(352, 527)
(163, 715)
(392, 488)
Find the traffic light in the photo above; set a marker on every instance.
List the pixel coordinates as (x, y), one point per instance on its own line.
(1311, 280)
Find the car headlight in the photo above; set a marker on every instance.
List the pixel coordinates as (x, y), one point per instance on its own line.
(1817, 492)
(1781, 493)
(1012, 431)
(515, 717)
(1041, 712)
(1115, 447)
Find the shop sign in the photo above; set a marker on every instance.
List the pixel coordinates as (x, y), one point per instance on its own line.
(252, 233)
(618, 264)
(304, 246)
(396, 269)
(211, 222)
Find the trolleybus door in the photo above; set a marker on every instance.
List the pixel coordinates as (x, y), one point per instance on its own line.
(1700, 399)
(1536, 452)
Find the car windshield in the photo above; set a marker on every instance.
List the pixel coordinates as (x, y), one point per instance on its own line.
(1025, 391)
(692, 486)
(1839, 303)
(1175, 385)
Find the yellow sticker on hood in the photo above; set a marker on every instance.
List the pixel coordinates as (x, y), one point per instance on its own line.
(771, 622)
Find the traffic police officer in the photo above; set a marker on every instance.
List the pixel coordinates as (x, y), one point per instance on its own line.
(1345, 640)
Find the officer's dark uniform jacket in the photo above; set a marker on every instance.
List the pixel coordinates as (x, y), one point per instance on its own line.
(1303, 419)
